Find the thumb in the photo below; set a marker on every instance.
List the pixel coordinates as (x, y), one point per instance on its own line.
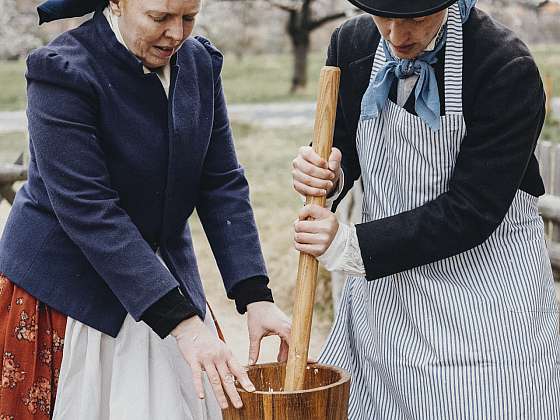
(315, 212)
(254, 348)
(334, 159)
(283, 352)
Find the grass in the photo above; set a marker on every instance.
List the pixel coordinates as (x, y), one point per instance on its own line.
(12, 85)
(266, 156)
(11, 146)
(257, 78)
(548, 60)
(267, 78)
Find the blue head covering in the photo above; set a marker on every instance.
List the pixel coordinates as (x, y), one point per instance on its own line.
(61, 9)
(426, 93)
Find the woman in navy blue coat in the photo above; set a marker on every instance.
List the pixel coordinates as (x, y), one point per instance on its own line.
(129, 134)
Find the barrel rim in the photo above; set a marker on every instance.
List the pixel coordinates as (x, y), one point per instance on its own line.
(344, 377)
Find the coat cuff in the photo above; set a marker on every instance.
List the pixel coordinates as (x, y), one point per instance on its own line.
(164, 315)
(253, 289)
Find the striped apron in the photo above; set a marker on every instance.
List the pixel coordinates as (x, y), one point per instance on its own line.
(473, 336)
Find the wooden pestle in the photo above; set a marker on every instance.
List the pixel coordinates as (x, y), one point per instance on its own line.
(307, 268)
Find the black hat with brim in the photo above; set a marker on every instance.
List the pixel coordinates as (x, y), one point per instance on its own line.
(402, 8)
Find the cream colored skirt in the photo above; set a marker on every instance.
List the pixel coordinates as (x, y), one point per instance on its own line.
(135, 376)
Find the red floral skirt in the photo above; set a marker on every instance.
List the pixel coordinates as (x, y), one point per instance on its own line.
(31, 341)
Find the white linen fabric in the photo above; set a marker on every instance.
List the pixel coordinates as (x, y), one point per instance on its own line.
(135, 376)
(472, 336)
(344, 254)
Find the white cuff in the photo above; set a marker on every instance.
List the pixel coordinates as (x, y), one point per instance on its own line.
(344, 254)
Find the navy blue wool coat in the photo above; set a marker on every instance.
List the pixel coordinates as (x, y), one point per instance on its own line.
(115, 170)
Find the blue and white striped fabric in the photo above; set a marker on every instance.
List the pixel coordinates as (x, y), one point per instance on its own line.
(473, 336)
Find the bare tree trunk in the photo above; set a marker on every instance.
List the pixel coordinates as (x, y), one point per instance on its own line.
(300, 52)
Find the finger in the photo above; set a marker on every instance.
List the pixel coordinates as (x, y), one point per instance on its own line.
(309, 238)
(285, 333)
(196, 371)
(283, 352)
(312, 157)
(254, 349)
(308, 226)
(228, 383)
(307, 190)
(315, 171)
(314, 250)
(216, 383)
(311, 181)
(313, 211)
(241, 375)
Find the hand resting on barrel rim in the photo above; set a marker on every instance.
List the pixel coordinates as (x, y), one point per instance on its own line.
(204, 351)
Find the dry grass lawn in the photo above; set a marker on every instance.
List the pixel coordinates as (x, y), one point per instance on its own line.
(266, 155)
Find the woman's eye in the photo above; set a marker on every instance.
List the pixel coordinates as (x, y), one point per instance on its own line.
(188, 18)
(159, 18)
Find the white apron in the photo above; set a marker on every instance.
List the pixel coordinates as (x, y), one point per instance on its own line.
(473, 336)
(134, 376)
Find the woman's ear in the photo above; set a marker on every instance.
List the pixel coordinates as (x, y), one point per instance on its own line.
(116, 6)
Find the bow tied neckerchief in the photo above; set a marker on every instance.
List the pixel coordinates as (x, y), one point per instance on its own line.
(426, 93)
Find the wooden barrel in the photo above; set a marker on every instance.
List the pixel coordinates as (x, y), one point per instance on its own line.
(325, 395)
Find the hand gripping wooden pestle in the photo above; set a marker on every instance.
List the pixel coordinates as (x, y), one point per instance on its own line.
(307, 269)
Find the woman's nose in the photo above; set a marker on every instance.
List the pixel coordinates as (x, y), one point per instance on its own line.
(175, 30)
(399, 34)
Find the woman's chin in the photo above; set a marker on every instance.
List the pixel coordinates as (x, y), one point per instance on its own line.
(153, 63)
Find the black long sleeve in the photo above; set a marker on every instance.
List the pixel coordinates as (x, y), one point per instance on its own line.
(488, 172)
(164, 315)
(503, 102)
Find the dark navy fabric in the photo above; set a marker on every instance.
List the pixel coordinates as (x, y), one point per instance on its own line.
(115, 171)
(61, 9)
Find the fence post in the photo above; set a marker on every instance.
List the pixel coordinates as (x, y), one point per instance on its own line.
(549, 90)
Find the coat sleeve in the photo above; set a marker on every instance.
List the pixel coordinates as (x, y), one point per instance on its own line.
(344, 138)
(223, 204)
(500, 140)
(62, 110)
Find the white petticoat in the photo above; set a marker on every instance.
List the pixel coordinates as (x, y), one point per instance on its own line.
(135, 376)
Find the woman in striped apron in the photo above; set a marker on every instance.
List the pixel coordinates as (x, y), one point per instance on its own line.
(449, 309)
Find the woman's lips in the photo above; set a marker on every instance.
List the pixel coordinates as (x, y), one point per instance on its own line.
(403, 49)
(164, 52)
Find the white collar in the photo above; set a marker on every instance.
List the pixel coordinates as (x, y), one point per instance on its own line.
(164, 73)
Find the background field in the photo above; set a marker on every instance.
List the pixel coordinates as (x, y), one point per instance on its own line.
(256, 78)
(266, 154)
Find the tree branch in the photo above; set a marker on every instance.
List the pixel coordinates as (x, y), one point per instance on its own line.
(283, 5)
(319, 22)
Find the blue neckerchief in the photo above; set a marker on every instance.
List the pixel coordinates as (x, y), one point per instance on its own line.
(426, 93)
(61, 9)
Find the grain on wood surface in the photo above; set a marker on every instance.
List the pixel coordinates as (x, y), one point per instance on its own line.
(324, 395)
(307, 268)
